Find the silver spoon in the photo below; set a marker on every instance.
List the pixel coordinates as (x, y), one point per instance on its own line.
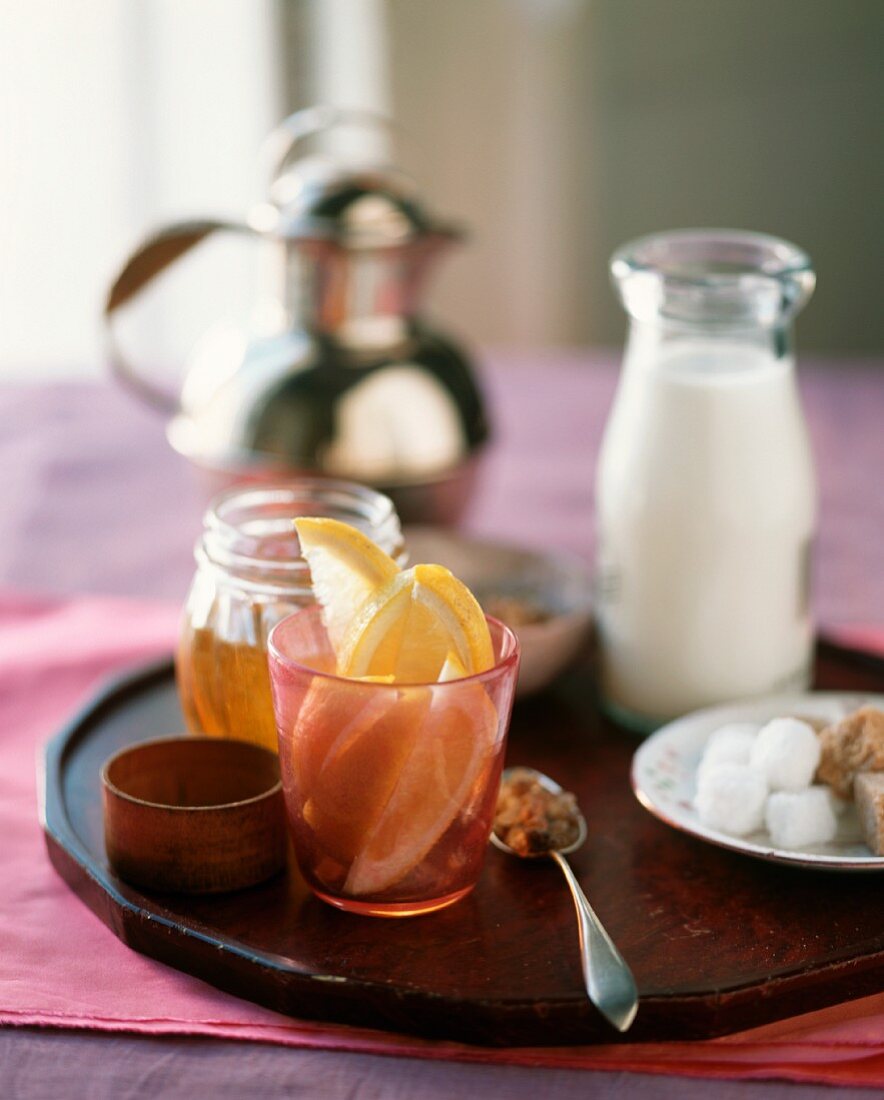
(609, 981)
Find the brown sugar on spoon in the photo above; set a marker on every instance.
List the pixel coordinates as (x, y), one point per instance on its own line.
(533, 820)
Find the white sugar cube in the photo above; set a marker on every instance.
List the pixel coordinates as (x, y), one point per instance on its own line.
(796, 819)
(731, 744)
(787, 752)
(837, 804)
(731, 797)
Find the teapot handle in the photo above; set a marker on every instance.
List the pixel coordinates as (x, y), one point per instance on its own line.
(155, 253)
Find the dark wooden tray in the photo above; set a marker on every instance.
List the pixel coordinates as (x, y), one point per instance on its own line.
(718, 941)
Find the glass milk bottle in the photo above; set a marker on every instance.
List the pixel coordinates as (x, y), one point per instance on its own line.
(705, 491)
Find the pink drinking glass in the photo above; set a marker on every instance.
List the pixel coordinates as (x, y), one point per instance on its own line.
(390, 789)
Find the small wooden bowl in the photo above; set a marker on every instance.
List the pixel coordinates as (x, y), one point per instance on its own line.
(194, 815)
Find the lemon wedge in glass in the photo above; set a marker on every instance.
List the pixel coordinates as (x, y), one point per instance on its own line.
(411, 625)
(406, 625)
(346, 567)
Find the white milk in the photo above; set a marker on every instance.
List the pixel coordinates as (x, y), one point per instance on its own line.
(705, 514)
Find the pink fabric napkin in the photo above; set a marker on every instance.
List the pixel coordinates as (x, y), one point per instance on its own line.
(61, 967)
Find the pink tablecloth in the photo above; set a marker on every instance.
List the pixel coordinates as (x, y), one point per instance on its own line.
(61, 967)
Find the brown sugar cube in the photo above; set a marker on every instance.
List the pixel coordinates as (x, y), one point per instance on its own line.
(868, 790)
(853, 745)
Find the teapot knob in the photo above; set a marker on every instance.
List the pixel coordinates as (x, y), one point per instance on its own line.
(285, 139)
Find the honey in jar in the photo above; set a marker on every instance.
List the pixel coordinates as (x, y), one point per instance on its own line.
(249, 576)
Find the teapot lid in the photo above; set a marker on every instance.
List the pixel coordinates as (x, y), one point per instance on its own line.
(346, 195)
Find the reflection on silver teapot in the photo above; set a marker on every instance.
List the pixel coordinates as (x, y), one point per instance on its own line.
(348, 381)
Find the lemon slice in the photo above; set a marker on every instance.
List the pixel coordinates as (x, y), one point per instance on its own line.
(451, 751)
(452, 669)
(348, 751)
(411, 626)
(346, 568)
(371, 643)
(458, 614)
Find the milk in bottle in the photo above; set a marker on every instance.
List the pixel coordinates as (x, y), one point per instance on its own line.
(705, 499)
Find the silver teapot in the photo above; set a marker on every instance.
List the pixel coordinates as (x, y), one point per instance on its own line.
(347, 381)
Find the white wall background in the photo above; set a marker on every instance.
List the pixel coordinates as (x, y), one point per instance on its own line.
(117, 115)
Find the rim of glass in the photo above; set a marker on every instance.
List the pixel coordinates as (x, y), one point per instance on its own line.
(219, 528)
(512, 658)
(778, 258)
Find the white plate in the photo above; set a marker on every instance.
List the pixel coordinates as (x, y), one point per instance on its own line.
(664, 773)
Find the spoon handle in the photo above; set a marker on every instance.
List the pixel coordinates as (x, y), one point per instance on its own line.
(609, 981)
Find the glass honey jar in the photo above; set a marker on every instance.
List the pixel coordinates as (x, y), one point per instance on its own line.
(249, 575)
